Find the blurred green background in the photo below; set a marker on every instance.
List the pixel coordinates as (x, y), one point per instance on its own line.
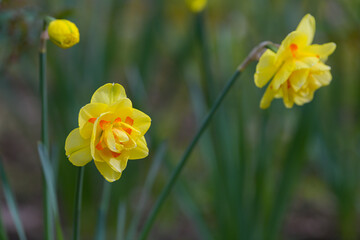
(273, 174)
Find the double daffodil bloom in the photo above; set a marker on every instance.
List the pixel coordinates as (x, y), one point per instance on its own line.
(196, 6)
(297, 69)
(63, 33)
(110, 131)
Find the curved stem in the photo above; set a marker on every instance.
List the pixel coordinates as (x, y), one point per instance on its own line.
(175, 174)
(185, 157)
(78, 197)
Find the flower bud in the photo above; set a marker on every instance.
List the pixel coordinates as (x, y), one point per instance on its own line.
(63, 33)
(196, 6)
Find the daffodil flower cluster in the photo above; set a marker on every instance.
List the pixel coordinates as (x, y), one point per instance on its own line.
(110, 132)
(297, 69)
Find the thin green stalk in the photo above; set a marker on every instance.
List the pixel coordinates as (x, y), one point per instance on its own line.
(104, 206)
(3, 234)
(10, 200)
(48, 225)
(121, 220)
(44, 107)
(207, 80)
(164, 194)
(78, 197)
(181, 164)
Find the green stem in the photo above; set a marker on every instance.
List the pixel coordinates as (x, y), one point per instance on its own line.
(44, 108)
(44, 130)
(78, 196)
(149, 222)
(164, 194)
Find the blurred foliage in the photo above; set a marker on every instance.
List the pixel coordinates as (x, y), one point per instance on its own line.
(274, 174)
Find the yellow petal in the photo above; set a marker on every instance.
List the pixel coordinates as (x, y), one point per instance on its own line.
(142, 121)
(118, 164)
(306, 62)
(108, 173)
(121, 135)
(109, 93)
(110, 139)
(131, 144)
(320, 67)
(301, 100)
(88, 112)
(306, 95)
(95, 137)
(306, 90)
(141, 150)
(307, 26)
(283, 74)
(77, 149)
(287, 96)
(297, 38)
(134, 131)
(121, 105)
(323, 51)
(265, 69)
(324, 77)
(267, 98)
(298, 79)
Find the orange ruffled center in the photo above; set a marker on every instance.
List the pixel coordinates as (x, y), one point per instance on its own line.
(116, 136)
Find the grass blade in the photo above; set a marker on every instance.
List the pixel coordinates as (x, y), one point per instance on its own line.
(294, 162)
(188, 205)
(50, 185)
(121, 218)
(49, 176)
(3, 234)
(78, 201)
(148, 186)
(181, 164)
(10, 200)
(100, 232)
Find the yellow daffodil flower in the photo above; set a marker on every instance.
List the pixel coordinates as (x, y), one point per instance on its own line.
(196, 6)
(63, 33)
(297, 69)
(110, 131)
